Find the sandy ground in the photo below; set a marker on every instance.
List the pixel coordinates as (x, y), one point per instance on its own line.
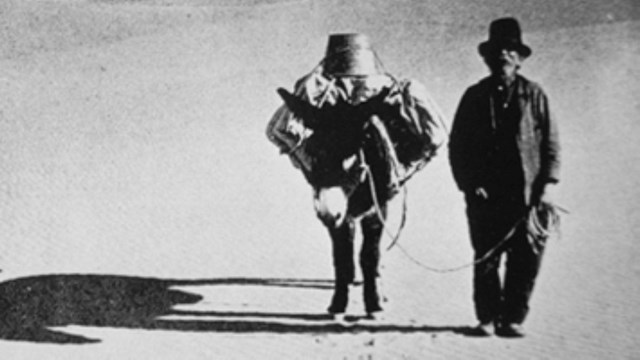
(144, 215)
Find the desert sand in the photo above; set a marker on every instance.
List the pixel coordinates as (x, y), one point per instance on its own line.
(144, 214)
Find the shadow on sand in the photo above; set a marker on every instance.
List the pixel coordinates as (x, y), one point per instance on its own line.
(31, 306)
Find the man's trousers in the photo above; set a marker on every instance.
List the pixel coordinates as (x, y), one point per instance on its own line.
(502, 220)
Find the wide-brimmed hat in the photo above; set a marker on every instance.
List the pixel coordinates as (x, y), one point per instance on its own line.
(351, 55)
(504, 33)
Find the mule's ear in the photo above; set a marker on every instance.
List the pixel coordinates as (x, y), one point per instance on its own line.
(288, 98)
(284, 94)
(381, 96)
(295, 104)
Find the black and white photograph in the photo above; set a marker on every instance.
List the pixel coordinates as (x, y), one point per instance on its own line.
(319, 179)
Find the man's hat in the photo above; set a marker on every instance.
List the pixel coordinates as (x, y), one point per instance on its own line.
(351, 55)
(504, 33)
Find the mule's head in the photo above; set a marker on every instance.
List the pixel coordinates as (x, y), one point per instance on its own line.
(339, 131)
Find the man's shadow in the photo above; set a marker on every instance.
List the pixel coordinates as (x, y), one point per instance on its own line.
(31, 306)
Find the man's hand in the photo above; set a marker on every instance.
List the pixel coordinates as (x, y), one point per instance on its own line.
(548, 193)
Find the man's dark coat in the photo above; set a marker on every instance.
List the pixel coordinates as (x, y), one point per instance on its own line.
(473, 134)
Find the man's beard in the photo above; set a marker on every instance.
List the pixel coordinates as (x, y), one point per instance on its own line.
(503, 68)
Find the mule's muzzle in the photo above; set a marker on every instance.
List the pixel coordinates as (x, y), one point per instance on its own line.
(331, 206)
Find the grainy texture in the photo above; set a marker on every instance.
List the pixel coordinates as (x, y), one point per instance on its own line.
(145, 215)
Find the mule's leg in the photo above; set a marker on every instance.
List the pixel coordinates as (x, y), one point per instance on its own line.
(372, 227)
(344, 267)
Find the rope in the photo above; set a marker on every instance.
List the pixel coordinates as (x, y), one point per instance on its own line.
(378, 209)
(545, 227)
(488, 255)
(534, 227)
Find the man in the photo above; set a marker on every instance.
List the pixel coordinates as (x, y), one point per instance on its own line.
(504, 154)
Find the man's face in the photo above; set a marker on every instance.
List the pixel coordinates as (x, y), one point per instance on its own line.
(503, 61)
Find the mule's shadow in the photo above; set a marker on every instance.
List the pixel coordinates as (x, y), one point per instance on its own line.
(31, 306)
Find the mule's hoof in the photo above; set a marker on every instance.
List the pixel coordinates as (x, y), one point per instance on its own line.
(339, 302)
(510, 330)
(340, 317)
(375, 316)
(482, 330)
(342, 320)
(373, 306)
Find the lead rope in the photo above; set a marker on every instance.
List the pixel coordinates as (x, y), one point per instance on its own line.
(376, 204)
(394, 238)
(534, 226)
(488, 255)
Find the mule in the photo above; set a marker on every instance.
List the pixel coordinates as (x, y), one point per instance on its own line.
(350, 174)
